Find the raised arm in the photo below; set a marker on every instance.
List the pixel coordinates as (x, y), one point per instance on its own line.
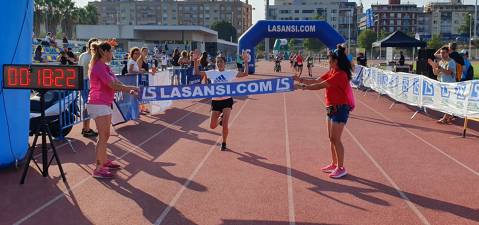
(196, 57)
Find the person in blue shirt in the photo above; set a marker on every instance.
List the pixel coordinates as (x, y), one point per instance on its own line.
(466, 74)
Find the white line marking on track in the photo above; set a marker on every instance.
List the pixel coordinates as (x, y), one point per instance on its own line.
(192, 176)
(69, 190)
(423, 140)
(391, 181)
(383, 172)
(292, 219)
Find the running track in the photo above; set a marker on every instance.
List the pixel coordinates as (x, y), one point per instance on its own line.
(401, 171)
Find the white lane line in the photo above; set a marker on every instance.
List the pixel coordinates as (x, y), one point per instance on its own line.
(292, 219)
(69, 190)
(423, 140)
(173, 201)
(391, 181)
(383, 172)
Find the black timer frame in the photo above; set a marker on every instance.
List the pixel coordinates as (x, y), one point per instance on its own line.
(43, 130)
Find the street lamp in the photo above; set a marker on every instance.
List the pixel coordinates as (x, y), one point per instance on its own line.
(349, 31)
(470, 31)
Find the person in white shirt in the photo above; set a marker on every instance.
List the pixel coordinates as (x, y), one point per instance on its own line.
(84, 61)
(220, 107)
(132, 65)
(164, 61)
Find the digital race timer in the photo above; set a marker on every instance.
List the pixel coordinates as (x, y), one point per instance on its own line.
(43, 77)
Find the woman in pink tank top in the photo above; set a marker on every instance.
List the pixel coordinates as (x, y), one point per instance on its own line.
(103, 85)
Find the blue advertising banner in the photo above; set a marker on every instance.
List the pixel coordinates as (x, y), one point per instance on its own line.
(159, 93)
(126, 106)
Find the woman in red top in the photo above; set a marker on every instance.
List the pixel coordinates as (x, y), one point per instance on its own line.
(299, 62)
(338, 104)
(103, 85)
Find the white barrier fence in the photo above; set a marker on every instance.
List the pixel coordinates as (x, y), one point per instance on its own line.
(460, 99)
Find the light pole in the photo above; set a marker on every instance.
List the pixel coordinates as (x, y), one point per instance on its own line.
(470, 32)
(475, 27)
(349, 31)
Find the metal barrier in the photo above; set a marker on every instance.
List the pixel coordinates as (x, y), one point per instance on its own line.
(72, 110)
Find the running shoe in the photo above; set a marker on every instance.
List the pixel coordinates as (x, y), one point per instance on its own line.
(111, 165)
(102, 173)
(338, 173)
(223, 146)
(329, 168)
(89, 133)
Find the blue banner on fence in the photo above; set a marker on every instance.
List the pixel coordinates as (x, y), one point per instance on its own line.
(126, 106)
(159, 93)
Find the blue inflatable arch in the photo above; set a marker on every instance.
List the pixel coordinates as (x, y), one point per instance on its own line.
(287, 29)
(16, 39)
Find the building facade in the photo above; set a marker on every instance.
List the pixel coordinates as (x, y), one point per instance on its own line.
(340, 14)
(395, 16)
(447, 17)
(172, 12)
(435, 18)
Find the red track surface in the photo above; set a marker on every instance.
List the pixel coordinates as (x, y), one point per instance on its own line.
(401, 171)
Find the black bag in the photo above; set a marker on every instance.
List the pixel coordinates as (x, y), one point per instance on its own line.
(470, 73)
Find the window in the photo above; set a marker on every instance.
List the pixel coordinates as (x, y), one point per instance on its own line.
(296, 11)
(308, 11)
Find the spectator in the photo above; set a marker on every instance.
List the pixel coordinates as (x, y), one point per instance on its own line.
(38, 54)
(71, 57)
(467, 70)
(47, 39)
(445, 72)
(63, 58)
(84, 60)
(454, 55)
(164, 61)
(204, 61)
(65, 40)
(176, 57)
(156, 56)
(361, 59)
(53, 42)
(142, 61)
(132, 64)
(184, 60)
(401, 59)
(239, 63)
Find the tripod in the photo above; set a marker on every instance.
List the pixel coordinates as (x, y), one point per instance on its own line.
(42, 130)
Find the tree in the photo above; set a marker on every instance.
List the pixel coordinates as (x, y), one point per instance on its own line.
(69, 16)
(383, 34)
(366, 39)
(225, 30)
(88, 15)
(313, 44)
(435, 42)
(63, 13)
(292, 44)
(465, 26)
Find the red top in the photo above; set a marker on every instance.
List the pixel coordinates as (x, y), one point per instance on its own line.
(338, 84)
(299, 60)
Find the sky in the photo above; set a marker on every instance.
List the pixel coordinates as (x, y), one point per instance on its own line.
(258, 5)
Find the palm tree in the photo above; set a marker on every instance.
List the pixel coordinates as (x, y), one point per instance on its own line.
(88, 15)
(38, 16)
(69, 16)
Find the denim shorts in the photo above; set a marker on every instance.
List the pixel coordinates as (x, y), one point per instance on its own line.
(338, 113)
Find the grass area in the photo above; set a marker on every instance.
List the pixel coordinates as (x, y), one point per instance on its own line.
(475, 65)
